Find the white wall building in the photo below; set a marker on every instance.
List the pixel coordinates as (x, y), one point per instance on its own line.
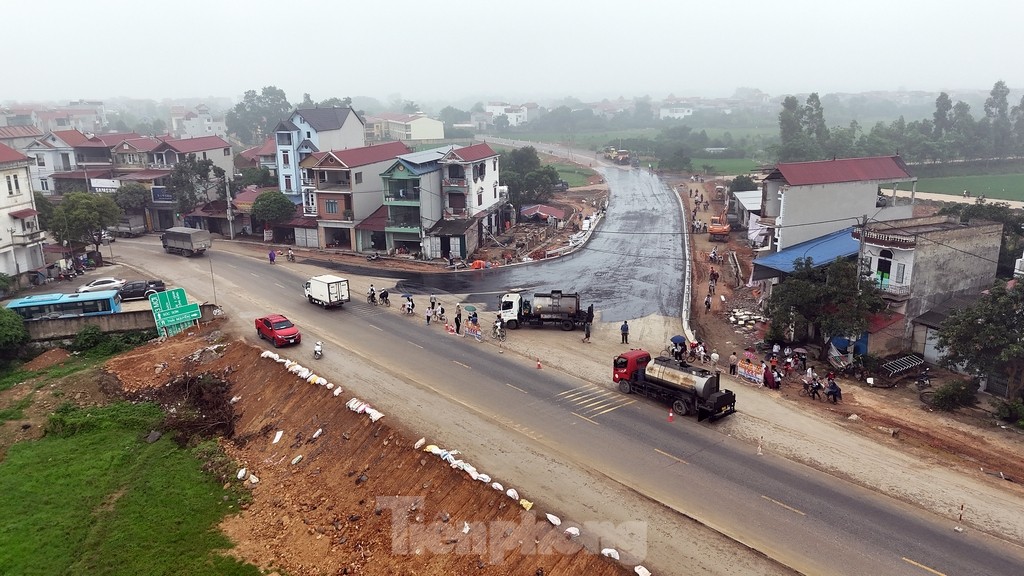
(21, 239)
(516, 114)
(309, 130)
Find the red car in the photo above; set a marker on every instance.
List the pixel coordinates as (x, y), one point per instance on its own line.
(278, 329)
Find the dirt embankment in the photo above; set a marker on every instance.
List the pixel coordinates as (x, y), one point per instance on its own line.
(361, 499)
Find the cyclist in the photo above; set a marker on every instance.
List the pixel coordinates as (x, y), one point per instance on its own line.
(384, 297)
(371, 295)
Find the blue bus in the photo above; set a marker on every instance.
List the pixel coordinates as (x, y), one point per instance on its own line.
(52, 306)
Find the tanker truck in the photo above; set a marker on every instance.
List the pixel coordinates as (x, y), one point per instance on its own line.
(690, 389)
(544, 308)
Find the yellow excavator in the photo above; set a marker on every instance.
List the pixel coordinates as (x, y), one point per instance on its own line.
(719, 227)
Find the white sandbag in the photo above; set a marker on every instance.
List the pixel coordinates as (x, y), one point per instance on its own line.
(484, 478)
(497, 487)
(277, 437)
(465, 527)
(253, 479)
(297, 459)
(419, 444)
(269, 354)
(304, 373)
(288, 364)
(611, 553)
(351, 402)
(375, 415)
(241, 473)
(312, 378)
(330, 386)
(322, 381)
(457, 464)
(338, 391)
(235, 399)
(641, 571)
(511, 493)
(572, 531)
(318, 432)
(555, 520)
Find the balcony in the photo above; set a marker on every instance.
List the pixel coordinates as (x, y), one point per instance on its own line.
(310, 210)
(454, 182)
(898, 292)
(402, 224)
(28, 237)
(403, 196)
(347, 215)
(335, 186)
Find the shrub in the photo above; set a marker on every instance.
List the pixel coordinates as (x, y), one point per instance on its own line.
(68, 419)
(87, 338)
(953, 395)
(1011, 412)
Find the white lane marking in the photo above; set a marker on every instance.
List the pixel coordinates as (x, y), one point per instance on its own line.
(667, 455)
(417, 345)
(278, 285)
(516, 387)
(466, 366)
(375, 327)
(790, 508)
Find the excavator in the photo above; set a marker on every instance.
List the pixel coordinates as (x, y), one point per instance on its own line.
(719, 227)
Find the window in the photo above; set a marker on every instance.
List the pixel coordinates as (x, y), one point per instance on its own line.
(284, 139)
(323, 176)
(40, 160)
(227, 151)
(286, 160)
(44, 184)
(287, 182)
(204, 155)
(10, 186)
(359, 177)
(308, 135)
(331, 206)
(480, 197)
(901, 269)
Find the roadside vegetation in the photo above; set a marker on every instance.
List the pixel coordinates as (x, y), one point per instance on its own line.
(993, 187)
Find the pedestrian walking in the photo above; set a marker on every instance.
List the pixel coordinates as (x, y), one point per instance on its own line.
(458, 318)
(803, 360)
(433, 300)
(429, 314)
(711, 287)
(272, 255)
(714, 359)
(586, 332)
(707, 304)
(733, 361)
(706, 206)
(624, 329)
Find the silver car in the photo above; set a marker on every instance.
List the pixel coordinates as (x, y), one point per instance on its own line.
(108, 283)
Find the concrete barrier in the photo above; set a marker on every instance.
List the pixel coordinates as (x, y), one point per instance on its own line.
(42, 330)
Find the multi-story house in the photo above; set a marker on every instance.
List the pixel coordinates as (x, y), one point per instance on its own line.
(516, 114)
(213, 148)
(917, 263)
(806, 200)
(402, 127)
(196, 123)
(343, 187)
(66, 160)
(262, 156)
(21, 238)
(442, 202)
(309, 130)
(18, 137)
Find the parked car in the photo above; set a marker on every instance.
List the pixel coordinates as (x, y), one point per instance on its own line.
(106, 237)
(107, 283)
(135, 289)
(278, 329)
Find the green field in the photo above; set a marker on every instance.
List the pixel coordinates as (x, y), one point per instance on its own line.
(996, 187)
(725, 166)
(574, 175)
(92, 497)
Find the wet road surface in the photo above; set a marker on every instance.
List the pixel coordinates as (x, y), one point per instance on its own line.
(632, 266)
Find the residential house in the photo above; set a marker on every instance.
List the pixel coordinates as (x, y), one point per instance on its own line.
(309, 130)
(66, 160)
(262, 156)
(84, 119)
(19, 116)
(516, 115)
(18, 137)
(745, 205)
(806, 200)
(402, 127)
(213, 148)
(21, 239)
(674, 110)
(341, 188)
(196, 123)
(442, 202)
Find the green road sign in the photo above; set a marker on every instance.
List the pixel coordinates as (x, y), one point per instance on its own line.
(168, 299)
(178, 315)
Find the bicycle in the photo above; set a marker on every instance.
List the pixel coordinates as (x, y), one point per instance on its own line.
(385, 301)
(499, 334)
(371, 299)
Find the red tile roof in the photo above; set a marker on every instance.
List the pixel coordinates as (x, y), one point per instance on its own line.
(190, 145)
(268, 148)
(544, 211)
(71, 137)
(8, 132)
(375, 222)
(475, 152)
(371, 154)
(878, 168)
(8, 154)
(140, 143)
(117, 137)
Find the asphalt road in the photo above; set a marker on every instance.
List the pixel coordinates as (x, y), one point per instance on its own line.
(806, 519)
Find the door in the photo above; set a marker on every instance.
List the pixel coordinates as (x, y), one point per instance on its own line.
(932, 352)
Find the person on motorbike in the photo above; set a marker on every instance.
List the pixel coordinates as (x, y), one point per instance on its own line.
(833, 392)
(291, 255)
(318, 349)
(498, 326)
(384, 297)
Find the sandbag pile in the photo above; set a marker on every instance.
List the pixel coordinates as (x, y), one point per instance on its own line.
(301, 371)
(359, 407)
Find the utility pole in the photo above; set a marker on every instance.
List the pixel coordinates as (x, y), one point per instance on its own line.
(230, 212)
(860, 248)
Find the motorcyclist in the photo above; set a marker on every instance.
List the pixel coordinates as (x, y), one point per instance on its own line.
(384, 297)
(318, 349)
(497, 325)
(291, 255)
(833, 392)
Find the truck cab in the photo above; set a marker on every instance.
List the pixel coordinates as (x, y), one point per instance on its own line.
(630, 365)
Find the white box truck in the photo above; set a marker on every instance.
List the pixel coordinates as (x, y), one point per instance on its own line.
(327, 291)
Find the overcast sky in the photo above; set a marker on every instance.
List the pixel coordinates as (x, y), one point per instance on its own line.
(514, 50)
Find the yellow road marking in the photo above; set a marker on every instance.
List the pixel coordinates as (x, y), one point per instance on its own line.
(585, 418)
(667, 455)
(614, 408)
(790, 508)
(923, 567)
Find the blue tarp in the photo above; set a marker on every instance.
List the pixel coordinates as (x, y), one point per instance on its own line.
(822, 251)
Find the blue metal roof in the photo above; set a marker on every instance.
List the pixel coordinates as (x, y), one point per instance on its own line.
(822, 251)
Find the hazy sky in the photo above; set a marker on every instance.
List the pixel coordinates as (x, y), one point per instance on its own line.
(515, 50)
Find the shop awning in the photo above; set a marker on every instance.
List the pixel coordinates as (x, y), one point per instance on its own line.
(24, 213)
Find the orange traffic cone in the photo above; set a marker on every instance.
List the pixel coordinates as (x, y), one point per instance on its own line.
(671, 418)
(538, 364)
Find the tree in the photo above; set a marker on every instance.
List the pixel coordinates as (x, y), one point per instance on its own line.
(253, 176)
(813, 120)
(192, 180)
(410, 107)
(273, 207)
(45, 209)
(83, 216)
(741, 183)
(528, 182)
(997, 110)
(941, 119)
(451, 116)
(257, 114)
(796, 144)
(823, 300)
(986, 337)
(522, 160)
(501, 123)
(335, 102)
(12, 332)
(131, 197)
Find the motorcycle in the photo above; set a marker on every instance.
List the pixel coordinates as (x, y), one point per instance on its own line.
(375, 256)
(318, 350)
(291, 257)
(924, 379)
